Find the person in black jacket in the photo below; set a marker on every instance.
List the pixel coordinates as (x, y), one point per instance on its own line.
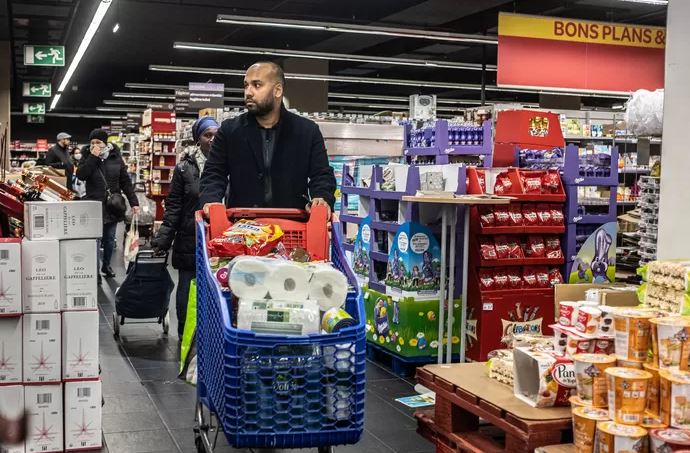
(268, 156)
(58, 157)
(103, 169)
(180, 205)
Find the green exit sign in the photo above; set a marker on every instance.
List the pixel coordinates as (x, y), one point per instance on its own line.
(34, 108)
(44, 55)
(35, 119)
(37, 89)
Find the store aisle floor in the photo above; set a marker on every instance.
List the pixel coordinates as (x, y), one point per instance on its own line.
(148, 410)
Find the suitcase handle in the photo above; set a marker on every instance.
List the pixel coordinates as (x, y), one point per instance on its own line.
(151, 254)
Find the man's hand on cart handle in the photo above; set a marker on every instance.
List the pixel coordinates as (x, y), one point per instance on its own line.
(318, 202)
(207, 208)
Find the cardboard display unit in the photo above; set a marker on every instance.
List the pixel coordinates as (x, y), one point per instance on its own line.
(43, 405)
(11, 351)
(83, 415)
(79, 274)
(42, 350)
(617, 295)
(63, 220)
(12, 407)
(10, 277)
(41, 276)
(79, 345)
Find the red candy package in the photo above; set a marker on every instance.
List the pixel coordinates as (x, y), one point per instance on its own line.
(502, 248)
(515, 215)
(486, 216)
(482, 181)
(502, 215)
(535, 247)
(555, 276)
(529, 215)
(551, 182)
(544, 214)
(553, 247)
(507, 183)
(542, 275)
(514, 249)
(247, 237)
(529, 277)
(514, 278)
(486, 280)
(533, 185)
(499, 189)
(488, 249)
(501, 278)
(557, 217)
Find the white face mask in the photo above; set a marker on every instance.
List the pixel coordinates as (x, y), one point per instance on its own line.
(77, 156)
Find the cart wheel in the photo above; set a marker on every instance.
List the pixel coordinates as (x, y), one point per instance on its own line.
(116, 325)
(328, 449)
(199, 445)
(166, 323)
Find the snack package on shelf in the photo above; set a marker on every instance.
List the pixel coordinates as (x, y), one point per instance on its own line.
(666, 286)
(542, 379)
(500, 363)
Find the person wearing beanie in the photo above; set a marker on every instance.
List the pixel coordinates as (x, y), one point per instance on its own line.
(105, 174)
(179, 228)
(58, 157)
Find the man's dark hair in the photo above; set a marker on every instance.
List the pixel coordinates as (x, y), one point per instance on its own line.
(277, 71)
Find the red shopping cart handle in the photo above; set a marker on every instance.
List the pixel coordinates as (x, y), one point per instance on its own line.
(281, 213)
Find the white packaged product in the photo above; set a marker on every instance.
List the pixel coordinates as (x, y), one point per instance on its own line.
(11, 409)
(248, 277)
(41, 276)
(42, 347)
(10, 276)
(11, 367)
(288, 281)
(82, 415)
(63, 220)
(270, 316)
(78, 271)
(43, 405)
(328, 287)
(79, 345)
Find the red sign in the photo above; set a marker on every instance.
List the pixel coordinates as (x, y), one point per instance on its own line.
(572, 54)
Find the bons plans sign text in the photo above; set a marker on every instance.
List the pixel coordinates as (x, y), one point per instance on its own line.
(563, 53)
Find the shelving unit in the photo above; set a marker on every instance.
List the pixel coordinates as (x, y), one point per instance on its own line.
(156, 158)
(440, 144)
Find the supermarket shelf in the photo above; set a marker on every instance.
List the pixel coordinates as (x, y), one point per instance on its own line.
(386, 195)
(391, 227)
(522, 262)
(582, 137)
(626, 203)
(167, 167)
(350, 219)
(351, 190)
(349, 247)
(166, 154)
(634, 171)
(522, 230)
(634, 140)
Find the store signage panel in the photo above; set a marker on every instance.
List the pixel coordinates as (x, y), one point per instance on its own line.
(554, 52)
(36, 89)
(206, 95)
(44, 55)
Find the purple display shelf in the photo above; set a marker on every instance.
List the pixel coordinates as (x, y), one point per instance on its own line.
(349, 247)
(391, 227)
(346, 218)
(443, 149)
(569, 166)
(376, 286)
(575, 215)
(350, 190)
(379, 256)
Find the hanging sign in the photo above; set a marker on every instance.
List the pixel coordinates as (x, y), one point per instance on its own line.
(552, 52)
(206, 95)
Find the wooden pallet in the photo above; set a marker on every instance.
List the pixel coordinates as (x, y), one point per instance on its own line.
(454, 425)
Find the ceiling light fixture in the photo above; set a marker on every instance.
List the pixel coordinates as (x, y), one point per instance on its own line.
(98, 16)
(119, 109)
(400, 107)
(397, 82)
(358, 29)
(116, 27)
(153, 101)
(649, 2)
(161, 86)
(77, 115)
(332, 56)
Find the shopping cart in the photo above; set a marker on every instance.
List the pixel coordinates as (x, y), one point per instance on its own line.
(273, 391)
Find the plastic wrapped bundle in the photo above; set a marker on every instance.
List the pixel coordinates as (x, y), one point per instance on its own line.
(645, 112)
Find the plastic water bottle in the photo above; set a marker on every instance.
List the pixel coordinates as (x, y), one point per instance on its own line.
(250, 389)
(282, 387)
(314, 398)
(266, 400)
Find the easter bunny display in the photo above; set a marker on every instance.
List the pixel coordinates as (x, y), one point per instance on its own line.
(600, 262)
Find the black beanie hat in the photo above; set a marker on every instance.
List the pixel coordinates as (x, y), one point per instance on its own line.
(99, 134)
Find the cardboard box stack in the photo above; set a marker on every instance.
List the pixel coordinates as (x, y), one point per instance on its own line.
(49, 327)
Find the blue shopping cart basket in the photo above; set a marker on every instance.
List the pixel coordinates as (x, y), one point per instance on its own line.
(274, 391)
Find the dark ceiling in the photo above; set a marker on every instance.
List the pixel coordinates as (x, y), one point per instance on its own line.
(148, 29)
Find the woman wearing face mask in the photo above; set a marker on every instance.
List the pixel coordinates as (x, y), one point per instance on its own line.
(105, 174)
(180, 205)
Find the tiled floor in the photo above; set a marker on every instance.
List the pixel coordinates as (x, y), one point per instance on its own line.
(147, 409)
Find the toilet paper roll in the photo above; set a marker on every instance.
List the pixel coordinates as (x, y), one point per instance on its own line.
(288, 281)
(328, 286)
(248, 277)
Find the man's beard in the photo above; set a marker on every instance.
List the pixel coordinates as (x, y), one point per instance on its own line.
(261, 108)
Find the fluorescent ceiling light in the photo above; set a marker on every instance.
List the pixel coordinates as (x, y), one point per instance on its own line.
(375, 97)
(103, 7)
(77, 115)
(143, 96)
(358, 29)
(332, 56)
(153, 101)
(649, 2)
(388, 106)
(397, 82)
(119, 109)
(161, 86)
(116, 28)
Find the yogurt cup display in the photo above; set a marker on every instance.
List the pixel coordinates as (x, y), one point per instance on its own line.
(606, 320)
(627, 390)
(616, 438)
(632, 331)
(629, 364)
(567, 313)
(672, 342)
(675, 398)
(668, 440)
(588, 320)
(590, 377)
(560, 341)
(653, 390)
(603, 346)
(578, 345)
(585, 420)
(650, 421)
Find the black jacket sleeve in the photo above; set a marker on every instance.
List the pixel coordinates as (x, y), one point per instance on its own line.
(321, 178)
(214, 180)
(172, 219)
(88, 167)
(126, 185)
(52, 159)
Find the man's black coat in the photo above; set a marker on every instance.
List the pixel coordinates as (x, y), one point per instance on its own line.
(299, 168)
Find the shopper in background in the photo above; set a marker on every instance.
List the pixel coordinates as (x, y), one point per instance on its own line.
(268, 157)
(105, 174)
(178, 228)
(58, 156)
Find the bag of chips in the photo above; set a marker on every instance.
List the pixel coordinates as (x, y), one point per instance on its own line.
(247, 237)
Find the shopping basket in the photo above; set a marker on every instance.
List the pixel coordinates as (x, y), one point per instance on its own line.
(274, 391)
